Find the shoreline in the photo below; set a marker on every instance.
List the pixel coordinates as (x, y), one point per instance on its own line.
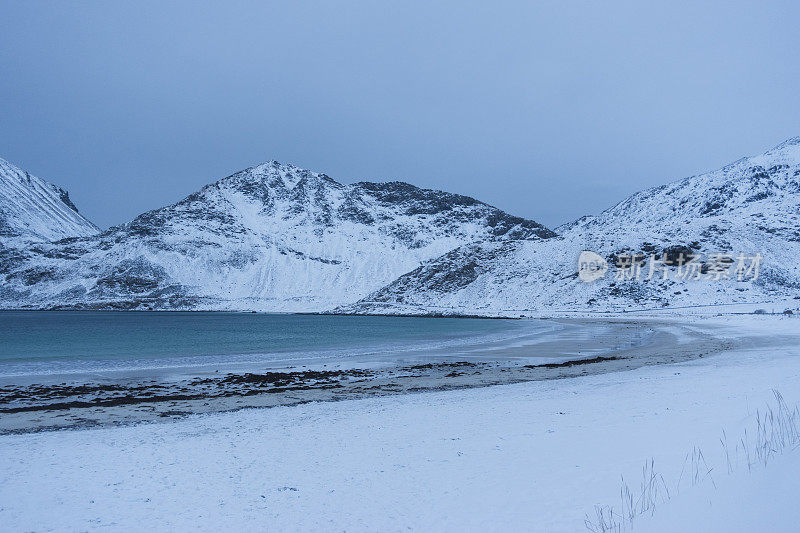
(539, 453)
(127, 399)
(730, 308)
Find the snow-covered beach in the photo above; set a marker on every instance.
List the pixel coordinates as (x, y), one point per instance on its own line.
(80, 391)
(370, 266)
(538, 455)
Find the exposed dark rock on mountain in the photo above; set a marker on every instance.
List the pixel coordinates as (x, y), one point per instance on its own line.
(747, 208)
(272, 237)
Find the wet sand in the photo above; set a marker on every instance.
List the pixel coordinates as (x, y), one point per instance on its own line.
(30, 404)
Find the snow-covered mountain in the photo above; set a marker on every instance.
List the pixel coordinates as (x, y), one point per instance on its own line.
(723, 219)
(34, 210)
(272, 237)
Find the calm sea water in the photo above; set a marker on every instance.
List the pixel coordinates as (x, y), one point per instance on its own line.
(41, 342)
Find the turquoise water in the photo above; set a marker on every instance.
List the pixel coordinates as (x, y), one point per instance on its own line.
(41, 342)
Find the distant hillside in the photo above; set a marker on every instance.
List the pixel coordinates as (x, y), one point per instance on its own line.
(749, 207)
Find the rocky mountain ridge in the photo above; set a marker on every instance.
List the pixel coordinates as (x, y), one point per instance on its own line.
(269, 238)
(279, 238)
(746, 212)
(35, 210)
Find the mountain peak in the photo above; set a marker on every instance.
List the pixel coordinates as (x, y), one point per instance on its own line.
(271, 237)
(32, 209)
(272, 174)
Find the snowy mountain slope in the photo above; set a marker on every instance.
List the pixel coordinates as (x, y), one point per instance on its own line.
(272, 237)
(749, 207)
(33, 210)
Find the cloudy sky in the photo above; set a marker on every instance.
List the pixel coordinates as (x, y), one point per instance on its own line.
(549, 110)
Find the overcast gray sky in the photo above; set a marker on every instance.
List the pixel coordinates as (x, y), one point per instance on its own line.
(549, 110)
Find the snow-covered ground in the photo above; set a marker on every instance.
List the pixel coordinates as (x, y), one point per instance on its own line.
(535, 456)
